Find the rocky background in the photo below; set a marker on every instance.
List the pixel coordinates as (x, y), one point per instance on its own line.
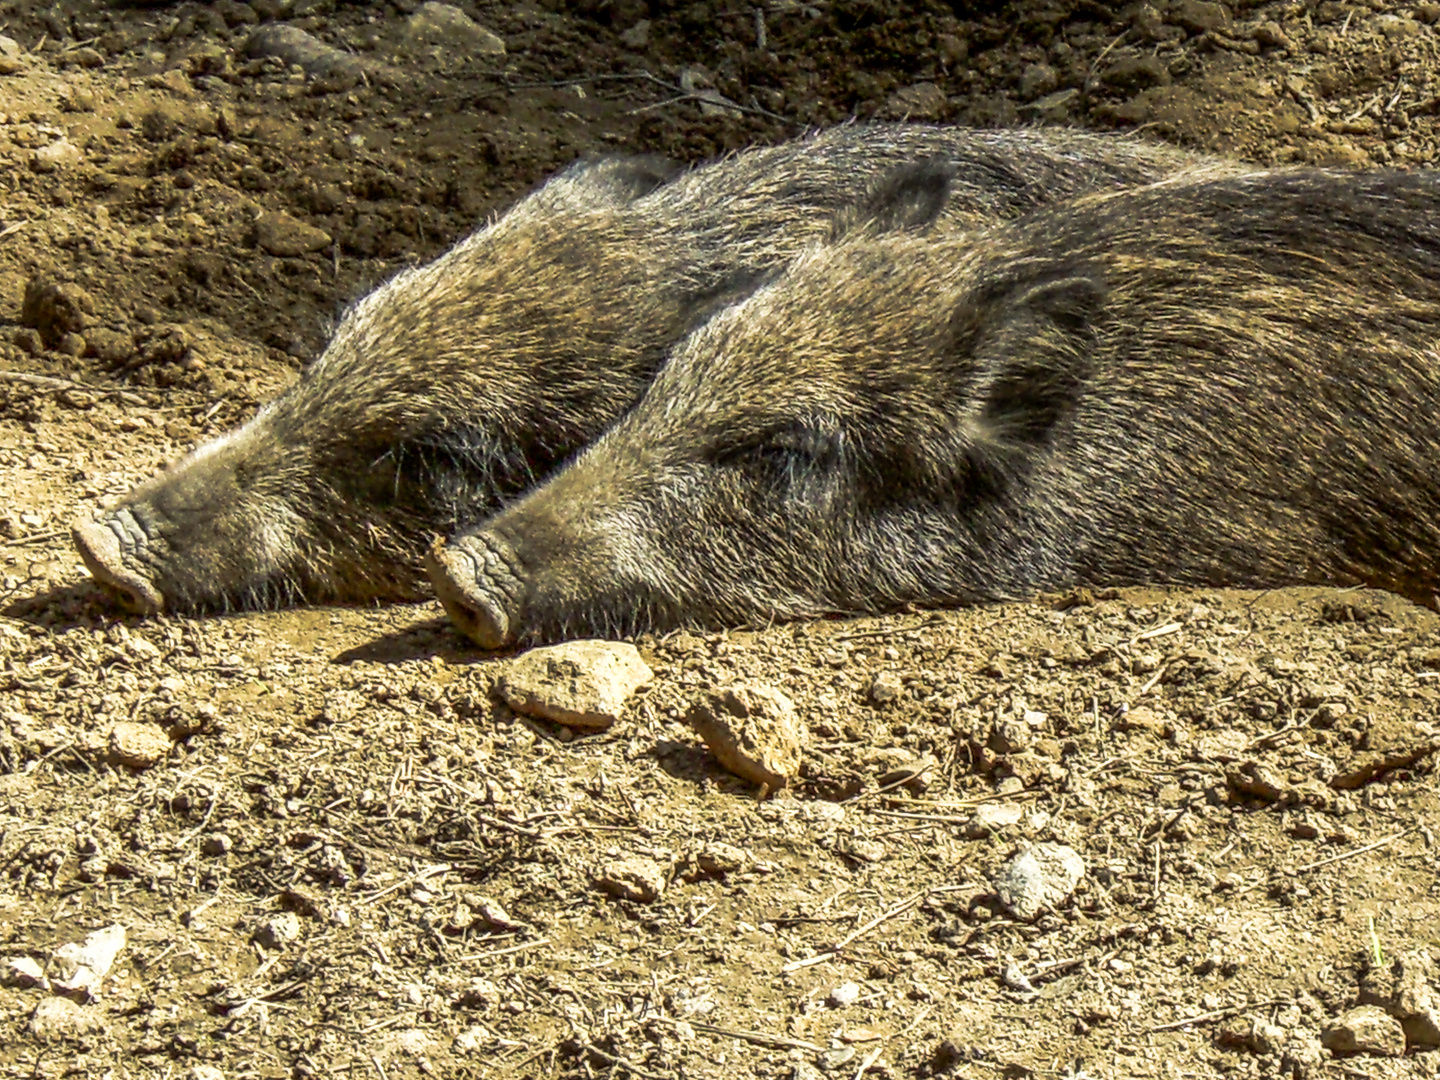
(1140, 834)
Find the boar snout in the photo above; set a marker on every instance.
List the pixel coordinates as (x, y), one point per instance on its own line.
(478, 583)
(103, 545)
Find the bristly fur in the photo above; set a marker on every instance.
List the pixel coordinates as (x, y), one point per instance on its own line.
(1208, 381)
(451, 390)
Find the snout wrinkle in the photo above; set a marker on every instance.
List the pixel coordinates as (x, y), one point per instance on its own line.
(106, 546)
(477, 581)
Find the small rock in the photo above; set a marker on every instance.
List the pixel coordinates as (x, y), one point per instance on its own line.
(71, 345)
(753, 730)
(1409, 990)
(138, 746)
(923, 101)
(1270, 35)
(1042, 876)
(641, 880)
(216, 844)
(886, 688)
(333, 68)
(1132, 73)
(1366, 1029)
(717, 860)
(992, 818)
(203, 1072)
(110, 347)
(847, 993)
(473, 1040)
(638, 36)
(56, 1019)
(582, 684)
(60, 154)
(55, 308)
(285, 237)
(1038, 80)
(276, 931)
(1396, 26)
(1428, 12)
(85, 57)
(10, 47)
(82, 967)
(1198, 16)
(445, 24)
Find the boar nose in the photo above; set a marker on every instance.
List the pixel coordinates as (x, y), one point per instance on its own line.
(474, 578)
(99, 544)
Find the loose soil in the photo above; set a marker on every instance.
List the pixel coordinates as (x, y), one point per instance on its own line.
(355, 861)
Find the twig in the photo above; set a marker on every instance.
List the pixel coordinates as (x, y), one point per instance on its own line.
(834, 950)
(47, 383)
(1216, 1014)
(1358, 850)
(622, 1062)
(13, 228)
(869, 1060)
(413, 879)
(34, 538)
(506, 952)
(756, 1038)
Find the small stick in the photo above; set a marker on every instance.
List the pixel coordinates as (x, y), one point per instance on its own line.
(1216, 1014)
(834, 950)
(1358, 850)
(13, 228)
(622, 1063)
(1159, 631)
(757, 1038)
(413, 879)
(506, 952)
(869, 1060)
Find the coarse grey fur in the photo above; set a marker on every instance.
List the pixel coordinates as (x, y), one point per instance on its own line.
(1222, 382)
(457, 385)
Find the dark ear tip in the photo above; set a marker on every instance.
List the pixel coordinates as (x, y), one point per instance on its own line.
(908, 199)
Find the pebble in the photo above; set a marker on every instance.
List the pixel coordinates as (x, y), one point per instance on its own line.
(641, 880)
(886, 688)
(847, 993)
(923, 101)
(638, 36)
(582, 684)
(1038, 80)
(56, 1019)
(444, 24)
(276, 931)
(1409, 990)
(1366, 1029)
(1198, 16)
(55, 308)
(138, 746)
(1039, 877)
(991, 818)
(83, 967)
(338, 70)
(753, 731)
(203, 1072)
(285, 237)
(216, 844)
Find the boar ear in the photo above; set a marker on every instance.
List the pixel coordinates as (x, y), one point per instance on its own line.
(909, 198)
(618, 179)
(1033, 356)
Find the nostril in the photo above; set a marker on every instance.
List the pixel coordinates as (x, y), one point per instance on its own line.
(101, 550)
(476, 611)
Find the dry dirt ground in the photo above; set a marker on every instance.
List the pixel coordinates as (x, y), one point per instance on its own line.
(353, 861)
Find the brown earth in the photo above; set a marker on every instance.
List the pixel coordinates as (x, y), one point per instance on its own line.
(354, 861)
